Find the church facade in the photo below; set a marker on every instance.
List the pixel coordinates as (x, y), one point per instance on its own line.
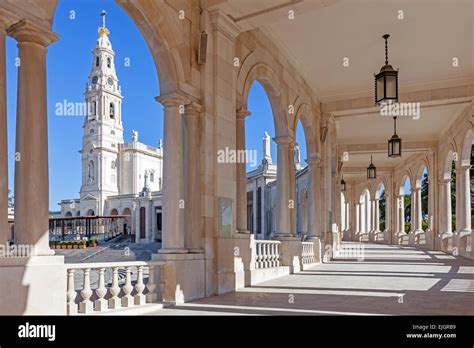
(118, 178)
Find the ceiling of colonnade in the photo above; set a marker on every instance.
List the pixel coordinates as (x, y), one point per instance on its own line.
(422, 46)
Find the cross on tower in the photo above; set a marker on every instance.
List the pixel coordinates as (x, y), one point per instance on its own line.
(103, 14)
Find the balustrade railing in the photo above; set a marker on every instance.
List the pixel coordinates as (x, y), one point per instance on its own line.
(97, 287)
(307, 254)
(267, 253)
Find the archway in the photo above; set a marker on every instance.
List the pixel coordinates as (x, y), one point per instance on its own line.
(406, 205)
(381, 205)
(127, 225)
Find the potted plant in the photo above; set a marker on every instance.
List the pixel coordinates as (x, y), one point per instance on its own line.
(69, 245)
(75, 245)
(63, 245)
(82, 244)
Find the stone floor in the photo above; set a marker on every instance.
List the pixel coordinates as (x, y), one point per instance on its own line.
(389, 280)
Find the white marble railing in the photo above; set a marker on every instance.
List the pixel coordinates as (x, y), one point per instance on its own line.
(97, 287)
(307, 253)
(267, 253)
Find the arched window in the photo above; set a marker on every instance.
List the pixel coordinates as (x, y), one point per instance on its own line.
(91, 131)
(91, 171)
(97, 61)
(108, 62)
(94, 108)
(112, 110)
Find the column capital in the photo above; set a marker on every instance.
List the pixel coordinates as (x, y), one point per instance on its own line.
(26, 31)
(444, 181)
(222, 23)
(174, 99)
(241, 112)
(283, 140)
(315, 161)
(194, 109)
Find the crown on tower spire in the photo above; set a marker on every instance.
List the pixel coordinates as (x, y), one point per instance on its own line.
(103, 30)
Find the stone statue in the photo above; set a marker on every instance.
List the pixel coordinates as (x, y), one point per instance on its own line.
(134, 136)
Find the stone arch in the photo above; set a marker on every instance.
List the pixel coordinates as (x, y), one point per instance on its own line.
(419, 173)
(114, 212)
(401, 186)
(465, 155)
(160, 38)
(68, 214)
(304, 114)
(127, 220)
(262, 73)
(90, 212)
(448, 161)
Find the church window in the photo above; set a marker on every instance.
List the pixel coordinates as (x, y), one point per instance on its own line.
(108, 62)
(112, 132)
(94, 108)
(113, 165)
(91, 131)
(112, 110)
(152, 177)
(97, 61)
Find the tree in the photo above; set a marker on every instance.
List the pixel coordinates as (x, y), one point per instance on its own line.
(382, 203)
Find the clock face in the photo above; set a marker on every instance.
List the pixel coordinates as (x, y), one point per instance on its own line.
(95, 79)
(110, 81)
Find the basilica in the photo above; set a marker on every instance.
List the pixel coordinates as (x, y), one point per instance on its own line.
(118, 178)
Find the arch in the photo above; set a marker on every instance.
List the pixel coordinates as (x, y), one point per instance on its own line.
(419, 172)
(304, 114)
(68, 214)
(401, 187)
(466, 148)
(78, 213)
(153, 24)
(262, 73)
(90, 212)
(114, 212)
(127, 221)
(448, 160)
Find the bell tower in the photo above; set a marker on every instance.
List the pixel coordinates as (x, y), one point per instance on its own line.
(103, 130)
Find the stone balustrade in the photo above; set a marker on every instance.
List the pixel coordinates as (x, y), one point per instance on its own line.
(98, 287)
(267, 253)
(307, 253)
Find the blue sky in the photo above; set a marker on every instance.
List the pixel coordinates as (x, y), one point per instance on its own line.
(68, 65)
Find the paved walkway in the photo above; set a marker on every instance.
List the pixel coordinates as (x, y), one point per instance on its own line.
(390, 280)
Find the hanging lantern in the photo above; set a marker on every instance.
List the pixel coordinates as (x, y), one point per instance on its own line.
(343, 184)
(371, 170)
(395, 142)
(386, 81)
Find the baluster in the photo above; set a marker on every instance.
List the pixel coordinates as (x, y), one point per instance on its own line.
(270, 254)
(259, 254)
(266, 255)
(274, 255)
(101, 291)
(139, 287)
(127, 299)
(71, 293)
(86, 305)
(151, 297)
(278, 254)
(114, 301)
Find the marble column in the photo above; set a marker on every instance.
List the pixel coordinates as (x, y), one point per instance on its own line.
(376, 215)
(173, 179)
(314, 209)
(417, 212)
(465, 200)
(4, 230)
(401, 214)
(357, 223)
(31, 166)
(292, 187)
(192, 178)
(241, 173)
(282, 211)
(347, 212)
(446, 209)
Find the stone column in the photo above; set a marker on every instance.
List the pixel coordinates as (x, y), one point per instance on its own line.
(192, 178)
(173, 181)
(357, 218)
(292, 187)
(314, 209)
(464, 224)
(401, 214)
(283, 192)
(347, 211)
(4, 230)
(254, 208)
(417, 212)
(241, 173)
(31, 166)
(446, 209)
(376, 215)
